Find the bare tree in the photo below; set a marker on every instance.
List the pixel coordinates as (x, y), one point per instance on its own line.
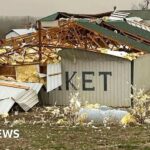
(143, 5)
(147, 2)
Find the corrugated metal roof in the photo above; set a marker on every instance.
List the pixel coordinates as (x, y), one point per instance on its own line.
(50, 17)
(139, 25)
(25, 98)
(118, 15)
(35, 86)
(144, 14)
(115, 36)
(124, 26)
(23, 31)
(8, 92)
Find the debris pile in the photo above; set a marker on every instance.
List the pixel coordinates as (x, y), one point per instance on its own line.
(119, 34)
(113, 33)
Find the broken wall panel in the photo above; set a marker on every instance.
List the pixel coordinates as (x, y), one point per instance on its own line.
(12, 92)
(6, 105)
(26, 99)
(54, 76)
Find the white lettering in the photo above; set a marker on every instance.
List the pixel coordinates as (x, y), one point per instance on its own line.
(7, 133)
(16, 134)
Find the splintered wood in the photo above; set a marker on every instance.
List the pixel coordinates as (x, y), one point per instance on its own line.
(30, 49)
(14, 85)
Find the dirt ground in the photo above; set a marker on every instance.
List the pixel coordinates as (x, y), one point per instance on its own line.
(39, 131)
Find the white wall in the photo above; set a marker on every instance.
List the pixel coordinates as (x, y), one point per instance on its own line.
(49, 23)
(142, 72)
(118, 85)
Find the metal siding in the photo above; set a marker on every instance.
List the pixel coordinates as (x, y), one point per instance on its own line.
(123, 40)
(142, 72)
(8, 92)
(25, 98)
(6, 105)
(119, 90)
(54, 76)
(35, 86)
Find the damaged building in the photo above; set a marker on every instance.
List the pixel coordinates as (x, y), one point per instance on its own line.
(100, 56)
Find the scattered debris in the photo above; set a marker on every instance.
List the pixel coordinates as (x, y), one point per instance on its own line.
(128, 120)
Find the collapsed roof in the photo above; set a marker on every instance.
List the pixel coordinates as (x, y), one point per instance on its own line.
(99, 35)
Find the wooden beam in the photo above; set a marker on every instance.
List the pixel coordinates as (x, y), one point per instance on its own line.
(14, 85)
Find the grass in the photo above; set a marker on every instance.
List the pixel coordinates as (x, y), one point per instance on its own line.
(50, 136)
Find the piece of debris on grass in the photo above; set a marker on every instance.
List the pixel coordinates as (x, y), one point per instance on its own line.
(4, 115)
(18, 122)
(128, 120)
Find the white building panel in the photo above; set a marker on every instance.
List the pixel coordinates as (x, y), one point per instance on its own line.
(54, 76)
(101, 78)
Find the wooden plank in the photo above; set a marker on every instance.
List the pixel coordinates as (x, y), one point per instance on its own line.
(14, 85)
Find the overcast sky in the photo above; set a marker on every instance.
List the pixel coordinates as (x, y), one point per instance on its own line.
(46, 7)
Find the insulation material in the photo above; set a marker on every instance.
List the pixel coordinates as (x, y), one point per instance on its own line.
(122, 54)
(50, 56)
(29, 55)
(2, 51)
(54, 76)
(27, 73)
(128, 119)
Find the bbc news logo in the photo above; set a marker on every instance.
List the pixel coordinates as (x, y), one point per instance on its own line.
(11, 133)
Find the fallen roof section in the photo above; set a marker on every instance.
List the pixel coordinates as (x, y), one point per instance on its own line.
(115, 36)
(25, 98)
(129, 29)
(6, 105)
(79, 34)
